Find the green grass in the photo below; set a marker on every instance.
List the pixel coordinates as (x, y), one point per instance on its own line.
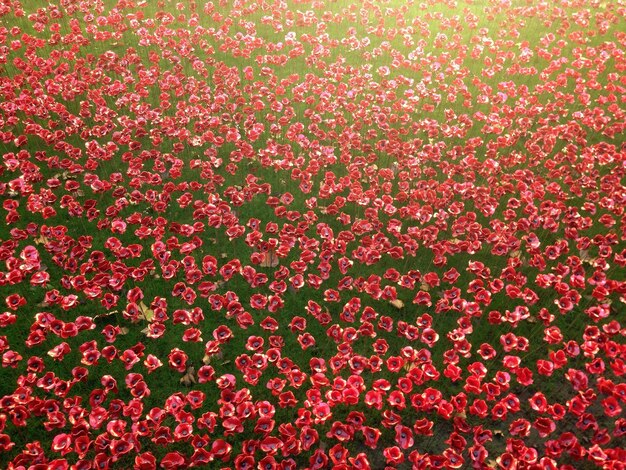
(505, 28)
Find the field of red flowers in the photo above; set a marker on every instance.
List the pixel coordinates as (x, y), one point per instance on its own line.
(284, 234)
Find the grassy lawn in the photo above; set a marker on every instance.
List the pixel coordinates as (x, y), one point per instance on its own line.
(405, 185)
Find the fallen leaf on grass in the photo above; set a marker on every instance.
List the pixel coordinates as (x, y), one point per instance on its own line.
(515, 254)
(189, 377)
(397, 303)
(209, 357)
(103, 315)
(147, 313)
(41, 240)
(270, 259)
(66, 175)
(585, 257)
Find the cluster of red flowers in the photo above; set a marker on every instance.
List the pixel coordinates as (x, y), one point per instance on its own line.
(136, 138)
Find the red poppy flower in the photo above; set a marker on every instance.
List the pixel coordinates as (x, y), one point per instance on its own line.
(59, 351)
(360, 461)
(321, 412)
(221, 450)
(620, 427)
(340, 431)
(371, 435)
(318, 460)
(404, 436)
(306, 340)
(145, 461)
(129, 358)
(222, 334)
(287, 400)
(520, 427)
(270, 445)
(308, 437)
(393, 455)
(15, 301)
(269, 324)
(232, 425)
(173, 460)
(423, 427)
(177, 360)
(62, 443)
(6, 319)
(152, 363)
(429, 337)
(544, 426)
(395, 363)
(611, 406)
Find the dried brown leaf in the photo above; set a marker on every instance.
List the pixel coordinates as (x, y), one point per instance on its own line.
(148, 314)
(105, 314)
(270, 259)
(515, 254)
(189, 377)
(41, 240)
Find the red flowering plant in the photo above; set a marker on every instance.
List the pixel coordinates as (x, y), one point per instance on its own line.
(246, 235)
